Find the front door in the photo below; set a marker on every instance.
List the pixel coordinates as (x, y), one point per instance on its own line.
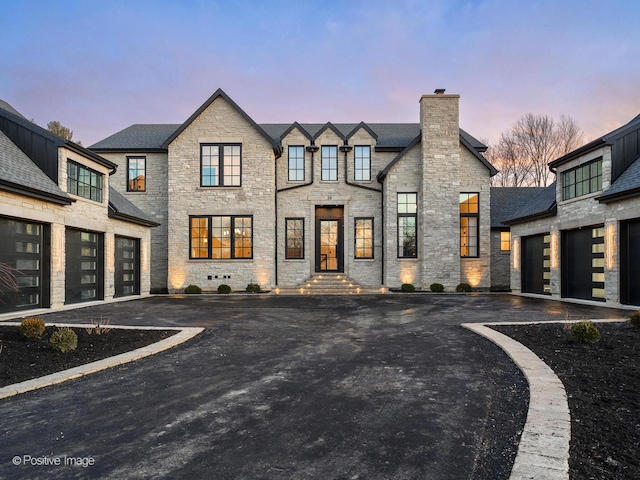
(329, 239)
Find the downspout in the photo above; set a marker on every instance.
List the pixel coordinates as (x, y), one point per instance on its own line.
(278, 153)
(383, 227)
(311, 148)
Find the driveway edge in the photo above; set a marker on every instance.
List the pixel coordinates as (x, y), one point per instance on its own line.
(543, 452)
(184, 334)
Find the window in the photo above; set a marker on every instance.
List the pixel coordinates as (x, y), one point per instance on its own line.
(364, 238)
(220, 166)
(407, 225)
(136, 174)
(469, 208)
(294, 238)
(582, 180)
(362, 166)
(83, 181)
(505, 241)
(221, 237)
(296, 164)
(329, 163)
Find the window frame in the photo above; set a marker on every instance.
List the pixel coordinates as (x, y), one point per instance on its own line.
(92, 174)
(144, 174)
(334, 149)
(355, 164)
(286, 238)
(220, 165)
(209, 237)
(355, 238)
(570, 187)
(402, 215)
(296, 170)
(468, 215)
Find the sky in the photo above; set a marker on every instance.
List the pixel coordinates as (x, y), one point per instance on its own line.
(100, 66)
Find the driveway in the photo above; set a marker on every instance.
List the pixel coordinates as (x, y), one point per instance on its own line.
(362, 387)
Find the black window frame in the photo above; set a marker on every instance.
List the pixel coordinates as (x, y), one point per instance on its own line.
(73, 184)
(136, 179)
(209, 237)
(323, 158)
(355, 237)
(400, 218)
(220, 165)
(355, 164)
(571, 184)
(299, 168)
(469, 215)
(287, 230)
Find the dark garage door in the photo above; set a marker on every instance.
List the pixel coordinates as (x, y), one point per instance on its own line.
(536, 271)
(84, 273)
(583, 263)
(127, 279)
(630, 262)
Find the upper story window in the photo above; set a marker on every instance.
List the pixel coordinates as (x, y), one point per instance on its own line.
(220, 165)
(296, 164)
(218, 237)
(469, 213)
(362, 166)
(136, 174)
(83, 181)
(582, 180)
(407, 225)
(329, 163)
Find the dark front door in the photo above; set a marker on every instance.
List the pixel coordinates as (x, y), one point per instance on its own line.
(329, 239)
(630, 262)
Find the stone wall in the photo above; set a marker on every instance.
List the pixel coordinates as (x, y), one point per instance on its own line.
(500, 264)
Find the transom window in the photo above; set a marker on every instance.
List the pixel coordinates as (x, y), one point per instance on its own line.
(295, 238)
(296, 164)
(221, 165)
(83, 181)
(218, 237)
(364, 237)
(582, 180)
(329, 163)
(362, 166)
(407, 225)
(136, 174)
(469, 211)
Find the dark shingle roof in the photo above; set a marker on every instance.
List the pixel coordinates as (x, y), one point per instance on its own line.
(627, 184)
(542, 204)
(5, 106)
(123, 209)
(506, 202)
(137, 137)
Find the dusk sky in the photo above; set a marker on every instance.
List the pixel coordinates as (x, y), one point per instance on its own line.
(100, 66)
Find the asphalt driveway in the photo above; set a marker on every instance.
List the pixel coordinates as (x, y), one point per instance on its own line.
(362, 387)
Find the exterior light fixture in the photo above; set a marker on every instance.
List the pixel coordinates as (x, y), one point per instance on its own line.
(312, 148)
(345, 148)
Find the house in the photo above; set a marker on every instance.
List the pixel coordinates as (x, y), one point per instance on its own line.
(372, 205)
(70, 236)
(580, 237)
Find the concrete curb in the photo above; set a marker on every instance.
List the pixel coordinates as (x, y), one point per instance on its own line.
(544, 445)
(183, 335)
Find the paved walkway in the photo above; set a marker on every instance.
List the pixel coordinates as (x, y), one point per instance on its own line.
(285, 387)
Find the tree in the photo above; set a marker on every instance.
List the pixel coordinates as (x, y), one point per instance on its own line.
(523, 152)
(57, 128)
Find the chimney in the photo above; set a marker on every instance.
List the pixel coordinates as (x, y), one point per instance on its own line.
(439, 91)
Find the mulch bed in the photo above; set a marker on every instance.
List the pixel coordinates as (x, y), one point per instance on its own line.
(602, 381)
(22, 359)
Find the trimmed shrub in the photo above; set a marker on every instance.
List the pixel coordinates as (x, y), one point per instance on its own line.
(32, 328)
(407, 287)
(193, 289)
(436, 287)
(64, 339)
(224, 289)
(463, 287)
(585, 332)
(635, 319)
(253, 288)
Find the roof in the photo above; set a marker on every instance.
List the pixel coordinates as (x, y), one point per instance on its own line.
(5, 106)
(506, 202)
(143, 137)
(627, 185)
(122, 209)
(542, 204)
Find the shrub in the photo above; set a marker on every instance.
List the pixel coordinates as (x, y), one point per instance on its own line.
(463, 287)
(64, 339)
(408, 287)
(253, 288)
(224, 289)
(585, 332)
(436, 287)
(635, 319)
(193, 289)
(32, 328)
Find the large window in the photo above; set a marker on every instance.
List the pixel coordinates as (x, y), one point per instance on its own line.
(364, 238)
(136, 174)
(294, 238)
(362, 166)
(407, 225)
(83, 181)
(582, 180)
(469, 211)
(296, 164)
(221, 166)
(329, 163)
(221, 237)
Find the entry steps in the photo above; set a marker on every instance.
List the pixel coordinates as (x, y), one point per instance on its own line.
(328, 284)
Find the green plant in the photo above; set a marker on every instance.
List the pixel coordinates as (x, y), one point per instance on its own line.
(193, 289)
(436, 287)
(32, 328)
(253, 288)
(463, 287)
(585, 332)
(64, 339)
(407, 287)
(635, 319)
(224, 289)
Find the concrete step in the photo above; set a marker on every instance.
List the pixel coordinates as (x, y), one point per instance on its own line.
(328, 284)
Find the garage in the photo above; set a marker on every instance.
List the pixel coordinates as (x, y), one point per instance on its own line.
(583, 263)
(84, 266)
(127, 266)
(536, 264)
(630, 262)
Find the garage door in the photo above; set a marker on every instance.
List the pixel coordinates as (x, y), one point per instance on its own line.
(583, 263)
(84, 273)
(630, 262)
(536, 268)
(127, 275)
